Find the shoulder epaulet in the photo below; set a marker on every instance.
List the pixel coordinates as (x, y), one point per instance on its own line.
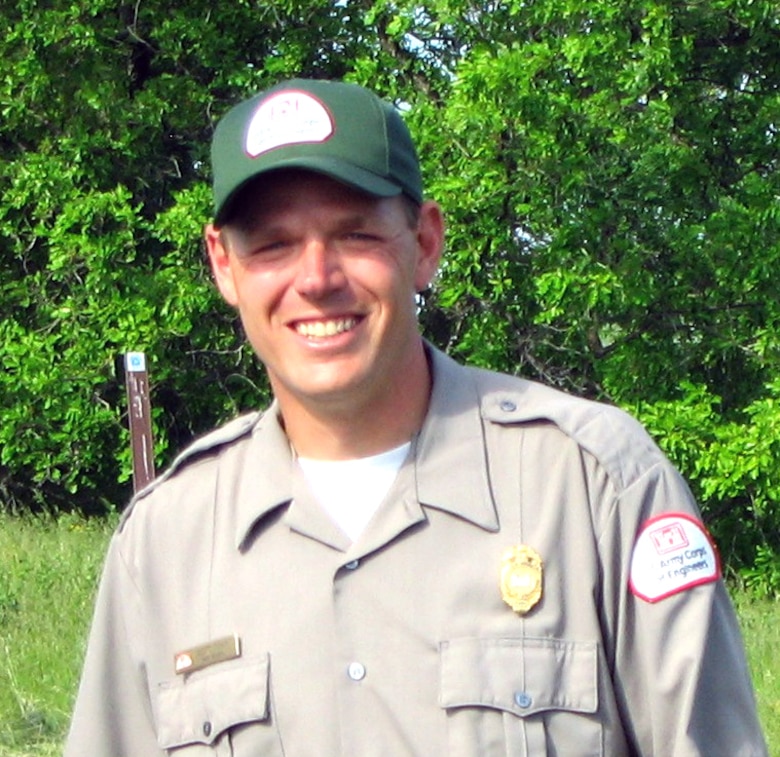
(613, 436)
(227, 434)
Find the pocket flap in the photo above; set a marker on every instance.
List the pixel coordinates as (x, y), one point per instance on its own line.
(198, 708)
(521, 676)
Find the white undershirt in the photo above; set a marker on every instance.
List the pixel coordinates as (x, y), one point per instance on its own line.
(352, 490)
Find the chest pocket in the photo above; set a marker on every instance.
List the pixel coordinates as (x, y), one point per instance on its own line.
(216, 710)
(530, 697)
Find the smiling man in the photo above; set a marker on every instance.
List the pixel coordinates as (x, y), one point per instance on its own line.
(324, 278)
(401, 556)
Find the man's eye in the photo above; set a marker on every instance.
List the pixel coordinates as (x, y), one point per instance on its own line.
(361, 236)
(272, 246)
(265, 251)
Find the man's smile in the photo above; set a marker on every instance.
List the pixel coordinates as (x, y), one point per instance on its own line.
(319, 329)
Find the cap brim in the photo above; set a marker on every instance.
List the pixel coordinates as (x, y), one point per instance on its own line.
(341, 171)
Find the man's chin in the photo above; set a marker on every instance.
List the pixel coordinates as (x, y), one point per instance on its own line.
(321, 388)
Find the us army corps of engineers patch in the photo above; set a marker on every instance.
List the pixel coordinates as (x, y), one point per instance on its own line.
(673, 552)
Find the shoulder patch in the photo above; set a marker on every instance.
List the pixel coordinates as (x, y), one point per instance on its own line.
(673, 552)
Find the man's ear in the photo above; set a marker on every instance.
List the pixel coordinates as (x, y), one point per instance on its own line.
(430, 242)
(219, 258)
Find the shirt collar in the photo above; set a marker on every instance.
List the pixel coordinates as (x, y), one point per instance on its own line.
(451, 471)
(451, 458)
(256, 477)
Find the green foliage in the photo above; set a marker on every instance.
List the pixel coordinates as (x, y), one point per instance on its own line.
(609, 171)
(610, 175)
(734, 469)
(762, 579)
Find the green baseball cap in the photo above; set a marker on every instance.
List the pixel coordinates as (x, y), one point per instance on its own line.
(334, 128)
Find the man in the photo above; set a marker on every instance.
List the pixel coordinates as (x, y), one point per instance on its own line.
(401, 556)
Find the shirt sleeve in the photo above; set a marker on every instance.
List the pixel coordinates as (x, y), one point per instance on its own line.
(680, 674)
(112, 715)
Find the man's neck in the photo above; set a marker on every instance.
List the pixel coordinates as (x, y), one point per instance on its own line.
(353, 427)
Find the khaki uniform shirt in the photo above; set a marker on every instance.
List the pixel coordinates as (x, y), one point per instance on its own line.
(401, 643)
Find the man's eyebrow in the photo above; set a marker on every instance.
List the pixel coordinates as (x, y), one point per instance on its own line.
(257, 225)
(353, 220)
(249, 223)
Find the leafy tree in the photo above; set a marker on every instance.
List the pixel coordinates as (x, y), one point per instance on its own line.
(609, 170)
(105, 135)
(611, 174)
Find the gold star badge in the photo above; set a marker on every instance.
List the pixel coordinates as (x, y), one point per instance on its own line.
(521, 578)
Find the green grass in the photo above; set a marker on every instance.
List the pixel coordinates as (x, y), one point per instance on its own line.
(760, 621)
(48, 573)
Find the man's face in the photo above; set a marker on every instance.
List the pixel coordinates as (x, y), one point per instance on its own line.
(324, 279)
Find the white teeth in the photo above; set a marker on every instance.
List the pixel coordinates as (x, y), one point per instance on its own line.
(318, 329)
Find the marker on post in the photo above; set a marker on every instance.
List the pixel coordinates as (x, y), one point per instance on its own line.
(140, 419)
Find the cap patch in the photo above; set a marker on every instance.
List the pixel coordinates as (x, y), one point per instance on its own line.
(673, 552)
(287, 118)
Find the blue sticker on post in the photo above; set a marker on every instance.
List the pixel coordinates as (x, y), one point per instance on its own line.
(135, 362)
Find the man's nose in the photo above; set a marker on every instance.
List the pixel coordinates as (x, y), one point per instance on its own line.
(319, 269)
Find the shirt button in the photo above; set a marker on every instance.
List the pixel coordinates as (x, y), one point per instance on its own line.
(523, 700)
(356, 671)
(352, 564)
(508, 406)
(207, 729)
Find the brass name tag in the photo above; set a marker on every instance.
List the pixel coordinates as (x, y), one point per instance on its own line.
(219, 650)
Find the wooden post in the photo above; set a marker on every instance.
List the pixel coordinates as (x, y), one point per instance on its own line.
(140, 419)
